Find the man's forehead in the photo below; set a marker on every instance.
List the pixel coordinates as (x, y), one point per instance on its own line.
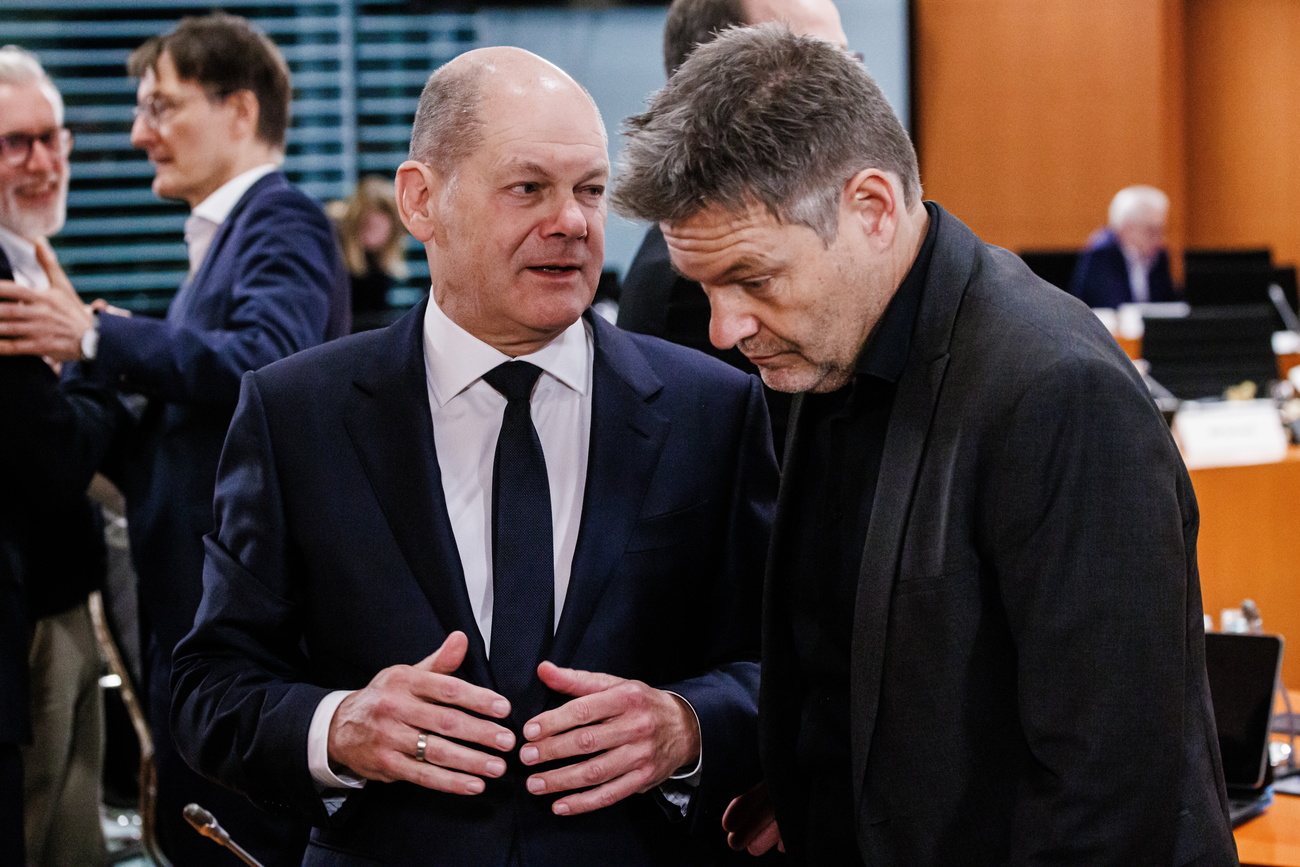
(25, 106)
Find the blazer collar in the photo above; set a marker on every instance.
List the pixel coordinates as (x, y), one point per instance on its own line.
(627, 437)
(389, 415)
(951, 269)
(391, 426)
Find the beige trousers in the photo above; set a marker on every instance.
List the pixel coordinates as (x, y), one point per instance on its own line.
(63, 767)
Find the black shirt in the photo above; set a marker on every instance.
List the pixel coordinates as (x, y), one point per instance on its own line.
(832, 474)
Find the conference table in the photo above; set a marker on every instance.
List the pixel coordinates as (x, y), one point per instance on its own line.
(1249, 546)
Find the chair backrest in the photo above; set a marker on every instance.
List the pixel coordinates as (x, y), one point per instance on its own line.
(1211, 348)
(1054, 266)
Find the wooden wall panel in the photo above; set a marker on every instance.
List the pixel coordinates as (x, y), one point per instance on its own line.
(1243, 124)
(1030, 114)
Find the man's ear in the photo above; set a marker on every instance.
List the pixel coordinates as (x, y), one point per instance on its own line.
(247, 112)
(419, 189)
(874, 202)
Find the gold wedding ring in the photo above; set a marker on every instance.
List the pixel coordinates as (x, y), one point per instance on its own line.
(420, 744)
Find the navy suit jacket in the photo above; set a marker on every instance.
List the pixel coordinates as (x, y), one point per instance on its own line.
(334, 558)
(1101, 276)
(1027, 670)
(271, 284)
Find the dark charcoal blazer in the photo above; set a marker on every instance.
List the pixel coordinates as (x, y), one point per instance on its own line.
(334, 557)
(1027, 675)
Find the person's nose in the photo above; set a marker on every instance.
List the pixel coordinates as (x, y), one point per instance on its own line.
(141, 133)
(569, 219)
(43, 157)
(729, 320)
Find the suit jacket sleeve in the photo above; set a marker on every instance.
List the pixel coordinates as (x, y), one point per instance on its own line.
(1093, 524)
(242, 704)
(281, 261)
(53, 438)
(726, 697)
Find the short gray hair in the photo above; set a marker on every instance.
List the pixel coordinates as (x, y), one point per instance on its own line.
(1136, 201)
(761, 115)
(447, 126)
(20, 66)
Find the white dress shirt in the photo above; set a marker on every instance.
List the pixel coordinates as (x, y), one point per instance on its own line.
(22, 260)
(203, 222)
(467, 414)
(1138, 269)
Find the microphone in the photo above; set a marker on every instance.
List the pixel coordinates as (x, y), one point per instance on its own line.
(1278, 297)
(206, 824)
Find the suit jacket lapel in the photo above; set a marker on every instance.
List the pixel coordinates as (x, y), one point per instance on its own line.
(905, 442)
(391, 427)
(182, 298)
(626, 439)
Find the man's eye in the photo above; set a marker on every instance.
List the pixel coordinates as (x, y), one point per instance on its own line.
(526, 189)
(593, 191)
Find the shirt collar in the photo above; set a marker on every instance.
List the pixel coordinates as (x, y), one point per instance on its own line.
(22, 260)
(885, 354)
(456, 359)
(217, 206)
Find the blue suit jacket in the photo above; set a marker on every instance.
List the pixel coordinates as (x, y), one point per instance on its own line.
(1101, 276)
(271, 284)
(334, 557)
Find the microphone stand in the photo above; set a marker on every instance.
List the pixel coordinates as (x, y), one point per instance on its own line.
(206, 824)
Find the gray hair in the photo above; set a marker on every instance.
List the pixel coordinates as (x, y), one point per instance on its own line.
(691, 23)
(447, 126)
(1134, 202)
(761, 115)
(20, 66)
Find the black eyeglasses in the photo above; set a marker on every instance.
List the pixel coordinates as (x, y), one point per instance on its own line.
(16, 147)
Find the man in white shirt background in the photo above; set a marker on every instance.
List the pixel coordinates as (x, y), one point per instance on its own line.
(266, 280)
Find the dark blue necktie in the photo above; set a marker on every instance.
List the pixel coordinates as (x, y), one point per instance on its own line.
(523, 565)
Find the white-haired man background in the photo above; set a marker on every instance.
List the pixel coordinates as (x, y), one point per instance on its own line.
(1127, 261)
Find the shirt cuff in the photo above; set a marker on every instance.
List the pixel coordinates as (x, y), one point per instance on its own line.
(680, 787)
(318, 735)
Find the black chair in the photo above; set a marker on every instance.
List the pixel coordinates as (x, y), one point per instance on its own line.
(1054, 266)
(1211, 348)
(1215, 278)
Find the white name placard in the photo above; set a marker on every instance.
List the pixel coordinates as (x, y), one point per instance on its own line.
(1229, 433)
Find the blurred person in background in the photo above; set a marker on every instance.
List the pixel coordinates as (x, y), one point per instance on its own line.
(51, 543)
(655, 299)
(266, 280)
(1127, 261)
(374, 241)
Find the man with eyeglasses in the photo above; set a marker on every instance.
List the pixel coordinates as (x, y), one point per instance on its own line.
(266, 280)
(49, 538)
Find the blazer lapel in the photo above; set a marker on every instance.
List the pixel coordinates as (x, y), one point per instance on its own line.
(905, 441)
(391, 427)
(627, 437)
(183, 297)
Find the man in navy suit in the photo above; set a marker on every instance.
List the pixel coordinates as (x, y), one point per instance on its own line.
(266, 280)
(1127, 261)
(348, 660)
